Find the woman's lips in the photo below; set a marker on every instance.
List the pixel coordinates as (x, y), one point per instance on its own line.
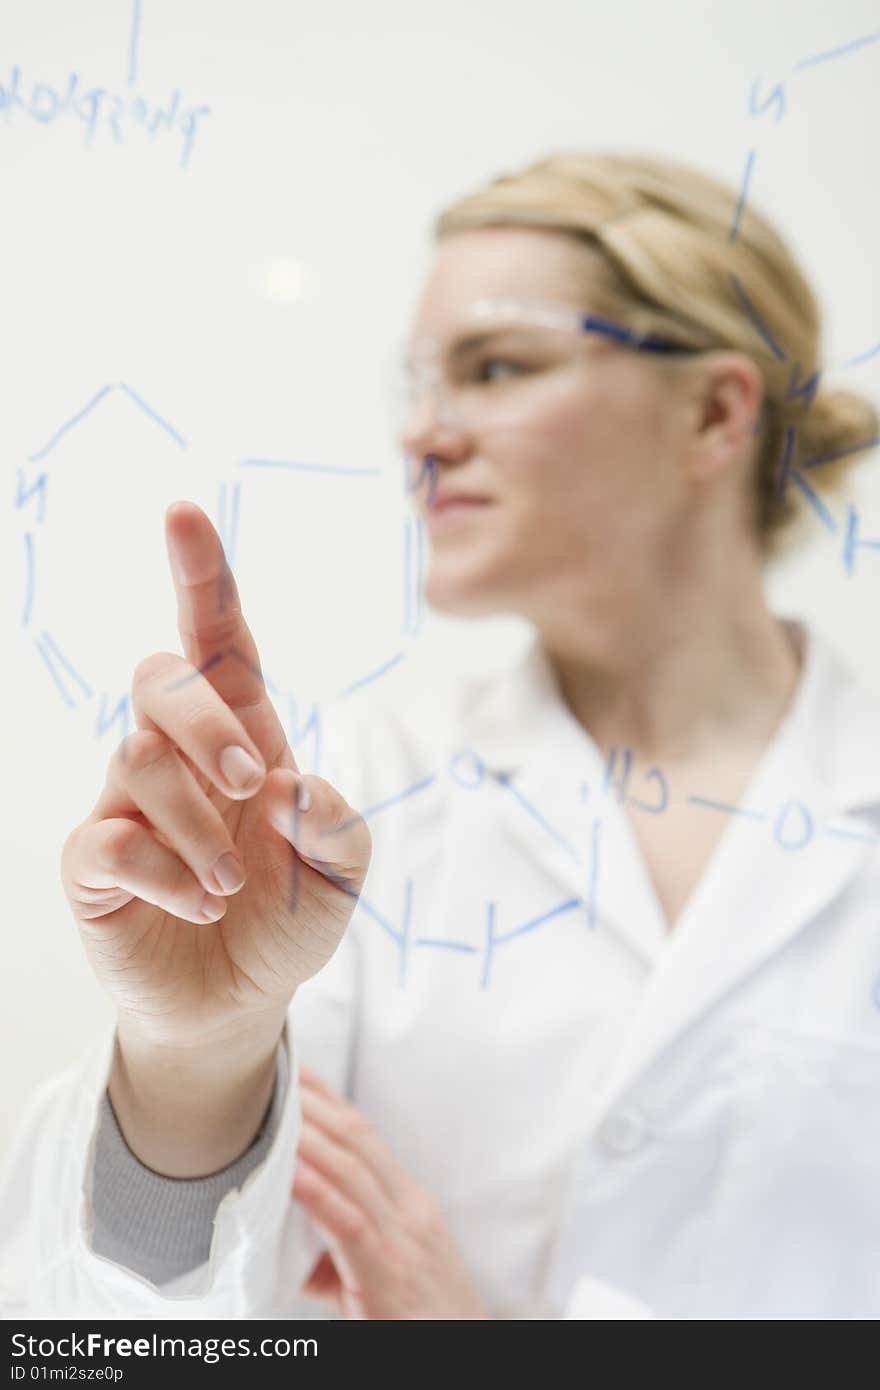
(450, 513)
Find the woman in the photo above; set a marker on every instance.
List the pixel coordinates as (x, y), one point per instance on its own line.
(602, 1033)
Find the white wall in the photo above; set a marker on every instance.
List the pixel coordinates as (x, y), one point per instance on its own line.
(246, 275)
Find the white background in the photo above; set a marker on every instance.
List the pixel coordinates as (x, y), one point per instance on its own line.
(251, 299)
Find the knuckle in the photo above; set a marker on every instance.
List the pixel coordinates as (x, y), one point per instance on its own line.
(149, 667)
(142, 749)
(69, 853)
(203, 718)
(117, 843)
(70, 844)
(366, 838)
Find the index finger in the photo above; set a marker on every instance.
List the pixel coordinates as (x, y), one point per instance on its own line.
(216, 639)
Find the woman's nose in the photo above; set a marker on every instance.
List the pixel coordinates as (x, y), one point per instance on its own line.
(432, 425)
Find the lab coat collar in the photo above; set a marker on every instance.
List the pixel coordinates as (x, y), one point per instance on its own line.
(836, 712)
(818, 783)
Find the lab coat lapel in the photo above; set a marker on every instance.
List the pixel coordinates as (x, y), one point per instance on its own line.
(769, 880)
(548, 774)
(758, 891)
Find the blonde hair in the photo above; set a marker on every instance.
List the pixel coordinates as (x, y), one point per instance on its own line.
(670, 266)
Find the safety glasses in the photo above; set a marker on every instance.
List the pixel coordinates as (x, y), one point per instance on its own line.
(487, 374)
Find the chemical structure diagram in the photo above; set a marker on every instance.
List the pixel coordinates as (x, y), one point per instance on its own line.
(848, 530)
(99, 109)
(793, 825)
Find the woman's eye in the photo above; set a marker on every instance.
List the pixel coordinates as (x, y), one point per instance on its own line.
(487, 369)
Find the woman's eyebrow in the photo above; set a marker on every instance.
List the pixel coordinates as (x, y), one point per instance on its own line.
(458, 347)
(471, 341)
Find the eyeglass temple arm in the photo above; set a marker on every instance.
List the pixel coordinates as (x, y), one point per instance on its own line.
(645, 342)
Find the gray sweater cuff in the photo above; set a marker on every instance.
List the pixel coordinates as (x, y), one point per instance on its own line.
(162, 1227)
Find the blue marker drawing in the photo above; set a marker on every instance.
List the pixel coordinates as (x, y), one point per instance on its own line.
(622, 786)
(134, 39)
(777, 95)
(838, 52)
(478, 766)
(29, 578)
(294, 813)
(779, 826)
(841, 833)
(787, 473)
(228, 524)
(785, 469)
(194, 675)
(90, 406)
(569, 905)
(741, 200)
(726, 807)
(153, 414)
(429, 469)
(24, 493)
(373, 675)
(862, 357)
(797, 389)
(814, 500)
(842, 453)
(401, 937)
(93, 106)
(490, 945)
(808, 388)
(372, 811)
(752, 314)
(44, 642)
(504, 779)
(380, 806)
(495, 939)
(69, 424)
(120, 714)
(610, 765)
(254, 670)
(851, 544)
(654, 775)
(464, 947)
(300, 728)
(227, 529)
(593, 879)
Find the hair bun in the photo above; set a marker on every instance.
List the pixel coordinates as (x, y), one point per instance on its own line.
(837, 424)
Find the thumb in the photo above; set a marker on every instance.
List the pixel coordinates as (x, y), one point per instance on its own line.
(323, 828)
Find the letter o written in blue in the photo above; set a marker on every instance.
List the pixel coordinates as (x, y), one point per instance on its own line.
(48, 113)
(459, 763)
(793, 842)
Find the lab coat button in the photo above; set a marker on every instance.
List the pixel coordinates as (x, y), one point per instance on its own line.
(624, 1132)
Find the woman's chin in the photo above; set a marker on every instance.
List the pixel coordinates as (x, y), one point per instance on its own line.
(458, 598)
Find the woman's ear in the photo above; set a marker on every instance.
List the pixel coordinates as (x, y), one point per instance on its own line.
(728, 392)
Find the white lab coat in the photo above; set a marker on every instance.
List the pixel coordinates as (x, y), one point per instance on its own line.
(618, 1121)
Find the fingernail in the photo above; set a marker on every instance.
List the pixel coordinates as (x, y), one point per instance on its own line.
(212, 908)
(239, 768)
(229, 873)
